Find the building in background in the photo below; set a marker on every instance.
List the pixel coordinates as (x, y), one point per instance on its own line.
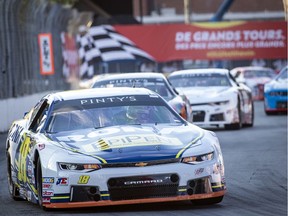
(171, 11)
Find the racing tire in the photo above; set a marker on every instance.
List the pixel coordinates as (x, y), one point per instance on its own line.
(210, 201)
(252, 118)
(238, 125)
(13, 189)
(39, 183)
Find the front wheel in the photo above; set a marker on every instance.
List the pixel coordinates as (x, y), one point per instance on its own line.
(251, 123)
(39, 181)
(238, 125)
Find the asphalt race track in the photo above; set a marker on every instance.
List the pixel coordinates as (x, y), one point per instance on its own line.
(256, 175)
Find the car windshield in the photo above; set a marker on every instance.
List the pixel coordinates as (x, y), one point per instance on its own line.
(155, 84)
(258, 73)
(199, 80)
(283, 74)
(110, 111)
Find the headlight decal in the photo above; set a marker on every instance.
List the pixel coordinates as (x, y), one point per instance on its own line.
(179, 154)
(198, 159)
(79, 167)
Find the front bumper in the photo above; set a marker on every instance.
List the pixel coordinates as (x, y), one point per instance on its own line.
(275, 103)
(214, 115)
(162, 183)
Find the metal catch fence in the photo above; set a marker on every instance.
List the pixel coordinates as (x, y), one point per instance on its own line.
(21, 23)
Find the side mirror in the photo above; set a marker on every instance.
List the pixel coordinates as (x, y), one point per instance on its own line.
(237, 74)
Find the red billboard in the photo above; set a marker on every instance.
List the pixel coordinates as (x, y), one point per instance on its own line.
(212, 41)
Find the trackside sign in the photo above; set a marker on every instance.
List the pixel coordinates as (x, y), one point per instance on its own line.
(46, 54)
(213, 41)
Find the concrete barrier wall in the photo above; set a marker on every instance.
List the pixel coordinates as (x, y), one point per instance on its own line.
(14, 108)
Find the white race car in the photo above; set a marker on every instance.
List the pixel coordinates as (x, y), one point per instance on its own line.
(156, 82)
(113, 146)
(216, 98)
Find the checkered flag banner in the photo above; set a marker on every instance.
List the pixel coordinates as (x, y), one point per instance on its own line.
(103, 44)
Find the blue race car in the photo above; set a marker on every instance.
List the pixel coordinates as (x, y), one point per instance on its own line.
(275, 93)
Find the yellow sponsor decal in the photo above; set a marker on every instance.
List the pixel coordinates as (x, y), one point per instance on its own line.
(63, 197)
(218, 186)
(84, 179)
(103, 145)
(23, 153)
(182, 190)
(136, 140)
(105, 195)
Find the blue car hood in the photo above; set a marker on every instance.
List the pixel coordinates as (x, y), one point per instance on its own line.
(130, 143)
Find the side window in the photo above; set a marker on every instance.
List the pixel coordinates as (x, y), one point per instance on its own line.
(41, 120)
(38, 116)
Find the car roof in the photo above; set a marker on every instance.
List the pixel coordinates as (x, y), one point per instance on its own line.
(131, 76)
(251, 68)
(99, 92)
(200, 70)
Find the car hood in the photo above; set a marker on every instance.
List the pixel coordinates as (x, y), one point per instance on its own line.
(130, 143)
(205, 94)
(256, 81)
(277, 84)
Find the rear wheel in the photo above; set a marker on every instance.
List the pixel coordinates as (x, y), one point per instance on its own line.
(209, 201)
(13, 189)
(251, 123)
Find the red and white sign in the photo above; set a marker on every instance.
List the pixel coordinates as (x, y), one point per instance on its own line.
(212, 41)
(46, 54)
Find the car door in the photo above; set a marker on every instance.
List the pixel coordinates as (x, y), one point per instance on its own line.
(244, 94)
(26, 141)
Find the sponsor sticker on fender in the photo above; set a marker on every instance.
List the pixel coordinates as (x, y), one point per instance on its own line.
(62, 181)
(199, 171)
(83, 179)
(47, 193)
(46, 186)
(46, 199)
(48, 180)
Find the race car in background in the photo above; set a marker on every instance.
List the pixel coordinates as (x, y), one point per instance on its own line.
(216, 98)
(275, 93)
(254, 77)
(119, 146)
(156, 82)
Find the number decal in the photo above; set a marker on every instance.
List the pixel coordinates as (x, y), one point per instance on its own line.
(22, 159)
(83, 179)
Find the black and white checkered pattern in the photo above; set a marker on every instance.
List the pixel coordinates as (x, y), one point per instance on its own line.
(104, 44)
